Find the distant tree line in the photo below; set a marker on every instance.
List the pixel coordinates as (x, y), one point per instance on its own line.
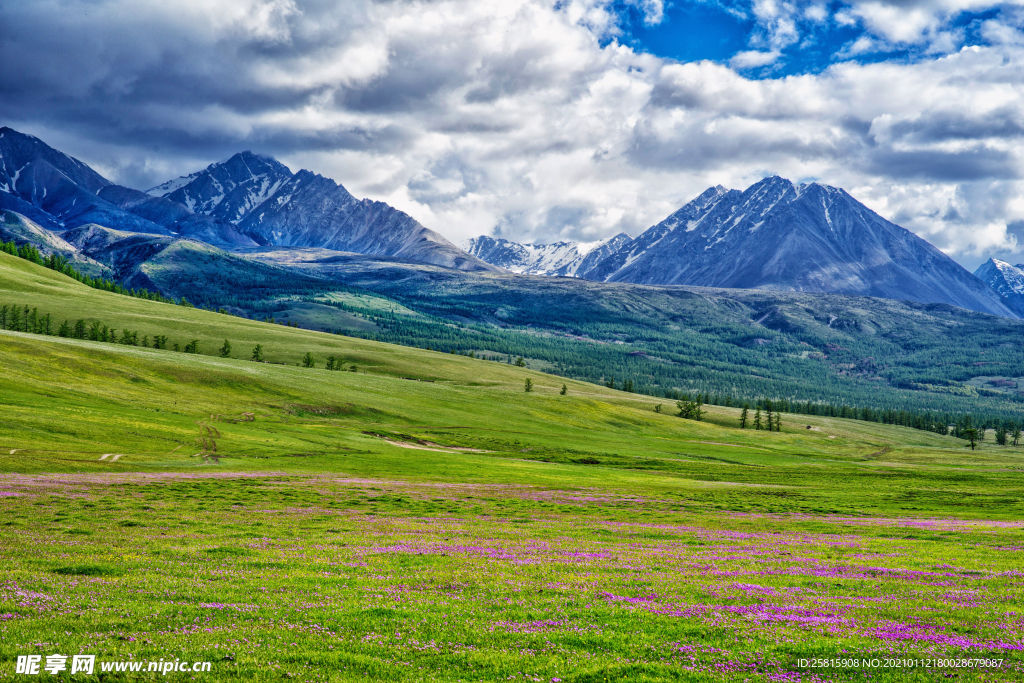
(711, 359)
(24, 318)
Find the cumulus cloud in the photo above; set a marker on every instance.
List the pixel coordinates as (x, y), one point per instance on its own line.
(528, 117)
(749, 59)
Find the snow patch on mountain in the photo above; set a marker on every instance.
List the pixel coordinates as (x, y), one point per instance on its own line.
(567, 259)
(164, 189)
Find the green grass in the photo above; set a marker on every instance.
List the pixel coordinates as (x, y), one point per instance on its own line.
(284, 522)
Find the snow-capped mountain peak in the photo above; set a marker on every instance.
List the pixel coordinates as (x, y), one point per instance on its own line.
(1006, 280)
(228, 190)
(571, 259)
(164, 189)
(777, 235)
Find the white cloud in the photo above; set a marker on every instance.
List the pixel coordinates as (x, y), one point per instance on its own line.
(521, 115)
(754, 58)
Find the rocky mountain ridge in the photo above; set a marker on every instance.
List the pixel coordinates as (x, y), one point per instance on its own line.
(243, 202)
(274, 207)
(808, 238)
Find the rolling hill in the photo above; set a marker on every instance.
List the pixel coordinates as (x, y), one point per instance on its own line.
(869, 353)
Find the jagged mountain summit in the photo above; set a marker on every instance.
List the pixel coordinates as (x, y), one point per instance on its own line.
(808, 238)
(275, 207)
(572, 259)
(61, 193)
(57, 191)
(1005, 280)
(774, 235)
(244, 202)
(228, 190)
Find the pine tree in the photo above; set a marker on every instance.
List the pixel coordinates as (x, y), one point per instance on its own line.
(15, 319)
(65, 330)
(79, 329)
(744, 416)
(778, 422)
(257, 353)
(528, 385)
(307, 360)
(564, 391)
(1015, 435)
(330, 362)
(757, 419)
(225, 351)
(688, 409)
(1001, 434)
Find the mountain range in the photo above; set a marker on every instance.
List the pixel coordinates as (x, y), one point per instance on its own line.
(246, 201)
(271, 206)
(772, 236)
(779, 236)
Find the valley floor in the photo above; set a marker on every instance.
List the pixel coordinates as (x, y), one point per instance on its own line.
(326, 577)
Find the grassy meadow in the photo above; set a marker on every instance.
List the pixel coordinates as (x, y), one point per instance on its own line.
(425, 518)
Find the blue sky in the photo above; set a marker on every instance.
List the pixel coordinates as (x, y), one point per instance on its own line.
(718, 31)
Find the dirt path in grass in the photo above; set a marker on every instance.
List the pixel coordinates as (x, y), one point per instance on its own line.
(734, 445)
(431, 446)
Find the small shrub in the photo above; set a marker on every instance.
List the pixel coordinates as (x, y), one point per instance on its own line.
(89, 570)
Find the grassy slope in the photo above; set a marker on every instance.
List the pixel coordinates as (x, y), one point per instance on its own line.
(67, 402)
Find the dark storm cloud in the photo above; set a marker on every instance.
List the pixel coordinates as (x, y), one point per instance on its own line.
(1006, 122)
(137, 78)
(971, 165)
